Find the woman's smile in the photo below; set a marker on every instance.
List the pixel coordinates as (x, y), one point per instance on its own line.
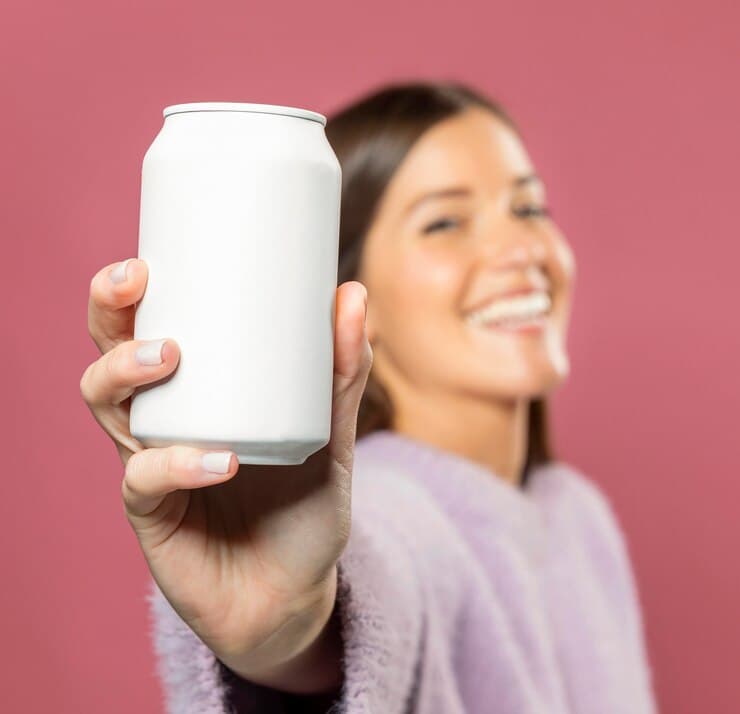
(523, 312)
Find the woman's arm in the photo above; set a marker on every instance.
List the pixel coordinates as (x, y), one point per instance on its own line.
(378, 618)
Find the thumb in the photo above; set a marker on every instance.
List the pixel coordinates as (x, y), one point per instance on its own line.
(353, 358)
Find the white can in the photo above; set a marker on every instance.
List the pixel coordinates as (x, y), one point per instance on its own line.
(239, 226)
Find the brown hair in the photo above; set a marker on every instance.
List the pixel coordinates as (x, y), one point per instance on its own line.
(371, 137)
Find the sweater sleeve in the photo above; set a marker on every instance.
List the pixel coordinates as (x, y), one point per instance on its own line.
(380, 612)
(610, 549)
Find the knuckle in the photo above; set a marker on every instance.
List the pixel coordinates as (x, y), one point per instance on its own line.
(169, 462)
(98, 296)
(134, 468)
(140, 468)
(126, 489)
(84, 384)
(93, 290)
(89, 386)
(115, 364)
(129, 481)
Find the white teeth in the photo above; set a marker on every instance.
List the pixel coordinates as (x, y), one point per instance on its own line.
(515, 308)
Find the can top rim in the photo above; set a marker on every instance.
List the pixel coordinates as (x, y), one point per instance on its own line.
(244, 107)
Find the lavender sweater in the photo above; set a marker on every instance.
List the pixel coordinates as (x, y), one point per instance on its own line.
(458, 592)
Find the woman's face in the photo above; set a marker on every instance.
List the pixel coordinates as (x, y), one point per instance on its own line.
(469, 282)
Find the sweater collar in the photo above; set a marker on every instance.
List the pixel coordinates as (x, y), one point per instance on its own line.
(477, 498)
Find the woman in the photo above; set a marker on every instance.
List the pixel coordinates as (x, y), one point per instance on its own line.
(476, 572)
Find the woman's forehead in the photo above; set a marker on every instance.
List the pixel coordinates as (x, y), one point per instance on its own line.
(474, 148)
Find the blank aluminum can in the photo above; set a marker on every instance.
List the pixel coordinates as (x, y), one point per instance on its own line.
(239, 226)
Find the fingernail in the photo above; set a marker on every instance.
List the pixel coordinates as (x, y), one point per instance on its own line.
(118, 274)
(150, 353)
(217, 461)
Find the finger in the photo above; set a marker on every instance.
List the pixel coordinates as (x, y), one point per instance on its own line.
(352, 359)
(352, 351)
(114, 292)
(151, 474)
(115, 375)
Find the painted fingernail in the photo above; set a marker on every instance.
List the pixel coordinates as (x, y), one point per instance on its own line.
(118, 274)
(217, 462)
(150, 353)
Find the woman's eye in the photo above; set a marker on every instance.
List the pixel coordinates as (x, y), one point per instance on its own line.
(440, 224)
(530, 211)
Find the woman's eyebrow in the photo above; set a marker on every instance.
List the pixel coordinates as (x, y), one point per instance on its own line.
(437, 193)
(463, 191)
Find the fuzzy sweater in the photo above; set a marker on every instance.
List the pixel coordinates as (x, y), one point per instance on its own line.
(457, 592)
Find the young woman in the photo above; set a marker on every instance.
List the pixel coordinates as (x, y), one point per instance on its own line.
(443, 560)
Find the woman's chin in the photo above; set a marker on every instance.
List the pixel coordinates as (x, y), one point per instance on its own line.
(525, 379)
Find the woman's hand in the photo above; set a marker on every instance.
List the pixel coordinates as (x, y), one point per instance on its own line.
(244, 555)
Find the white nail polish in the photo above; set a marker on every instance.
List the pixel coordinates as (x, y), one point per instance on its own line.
(217, 461)
(118, 274)
(150, 353)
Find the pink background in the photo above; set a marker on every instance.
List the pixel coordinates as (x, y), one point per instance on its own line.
(631, 115)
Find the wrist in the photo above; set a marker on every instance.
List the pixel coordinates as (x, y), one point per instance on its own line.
(303, 655)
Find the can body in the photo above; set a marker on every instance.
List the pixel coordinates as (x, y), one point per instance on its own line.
(239, 227)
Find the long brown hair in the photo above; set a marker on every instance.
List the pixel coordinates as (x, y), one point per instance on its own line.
(371, 137)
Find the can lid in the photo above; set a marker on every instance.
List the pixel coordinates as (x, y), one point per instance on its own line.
(244, 107)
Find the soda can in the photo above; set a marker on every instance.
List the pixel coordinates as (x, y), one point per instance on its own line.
(239, 226)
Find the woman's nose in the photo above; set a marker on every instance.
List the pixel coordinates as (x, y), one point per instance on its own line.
(517, 248)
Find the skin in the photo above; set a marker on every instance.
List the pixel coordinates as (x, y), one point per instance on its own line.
(461, 388)
(262, 601)
(228, 551)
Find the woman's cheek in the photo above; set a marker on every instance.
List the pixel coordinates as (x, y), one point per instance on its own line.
(433, 279)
